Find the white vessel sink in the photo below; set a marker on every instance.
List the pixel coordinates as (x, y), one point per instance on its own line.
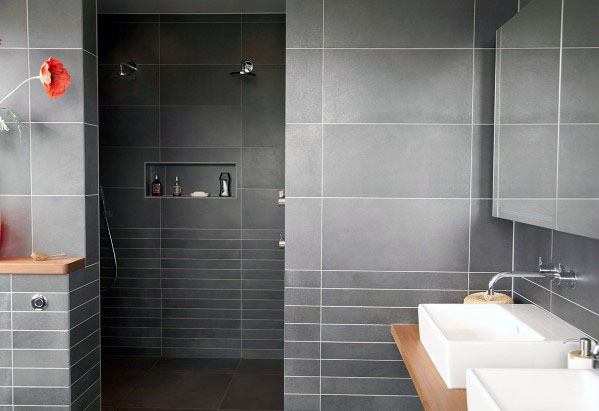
(529, 389)
(461, 336)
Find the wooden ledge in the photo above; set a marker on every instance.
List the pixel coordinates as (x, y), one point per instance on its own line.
(433, 393)
(26, 265)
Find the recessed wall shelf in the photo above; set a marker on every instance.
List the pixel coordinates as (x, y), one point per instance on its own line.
(193, 177)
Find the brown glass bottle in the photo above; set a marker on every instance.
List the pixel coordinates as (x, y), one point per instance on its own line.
(156, 187)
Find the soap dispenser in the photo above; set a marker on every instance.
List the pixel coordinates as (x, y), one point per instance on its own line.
(583, 358)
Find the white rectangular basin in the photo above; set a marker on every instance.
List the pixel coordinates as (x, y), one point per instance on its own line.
(532, 389)
(461, 336)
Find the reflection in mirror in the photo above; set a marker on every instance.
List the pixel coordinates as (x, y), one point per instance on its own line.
(546, 154)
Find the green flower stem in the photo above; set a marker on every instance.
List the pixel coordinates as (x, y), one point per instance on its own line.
(18, 87)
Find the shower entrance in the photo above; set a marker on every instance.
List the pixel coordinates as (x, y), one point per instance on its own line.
(192, 280)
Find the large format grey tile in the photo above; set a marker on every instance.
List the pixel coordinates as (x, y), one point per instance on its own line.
(367, 234)
(125, 166)
(518, 175)
(579, 254)
(131, 209)
(578, 146)
(303, 95)
(263, 167)
(428, 86)
(370, 402)
(490, 239)
(212, 85)
(57, 155)
(580, 85)
(399, 23)
(16, 225)
(484, 86)
(303, 160)
(119, 42)
(482, 161)
(263, 43)
(530, 243)
(491, 15)
(200, 126)
(201, 213)
(55, 24)
(386, 161)
(536, 25)
(219, 43)
(303, 234)
(264, 108)
(260, 209)
(580, 28)
(70, 107)
(143, 90)
(578, 217)
(91, 159)
(17, 60)
(304, 23)
(14, 23)
(134, 126)
(56, 218)
(15, 177)
(528, 87)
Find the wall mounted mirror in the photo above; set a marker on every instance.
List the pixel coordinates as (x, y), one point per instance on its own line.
(546, 153)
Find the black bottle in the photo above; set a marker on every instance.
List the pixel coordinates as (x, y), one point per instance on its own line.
(156, 187)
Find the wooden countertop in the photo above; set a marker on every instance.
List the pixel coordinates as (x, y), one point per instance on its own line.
(434, 394)
(26, 265)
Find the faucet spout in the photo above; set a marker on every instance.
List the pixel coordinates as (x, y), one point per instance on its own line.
(497, 277)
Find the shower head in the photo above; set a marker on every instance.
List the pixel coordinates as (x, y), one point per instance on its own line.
(126, 71)
(247, 68)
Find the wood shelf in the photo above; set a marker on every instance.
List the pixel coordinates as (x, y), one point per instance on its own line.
(26, 265)
(433, 393)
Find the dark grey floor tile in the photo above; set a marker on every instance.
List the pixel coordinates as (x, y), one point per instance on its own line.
(197, 365)
(254, 392)
(262, 367)
(179, 390)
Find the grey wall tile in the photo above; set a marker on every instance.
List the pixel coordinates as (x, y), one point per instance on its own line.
(263, 167)
(366, 402)
(580, 84)
(56, 24)
(90, 32)
(517, 176)
(199, 126)
(529, 81)
(263, 43)
(304, 23)
(531, 242)
(580, 29)
(358, 82)
(133, 126)
(53, 217)
(303, 84)
(263, 113)
(576, 165)
(542, 28)
(384, 151)
(395, 234)
(575, 315)
(127, 41)
(219, 43)
(484, 86)
(142, 91)
(212, 85)
(14, 23)
(50, 142)
(491, 15)
(482, 161)
(15, 175)
(91, 159)
(398, 23)
(16, 225)
(17, 59)
(68, 108)
(394, 280)
(303, 234)
(490, 239)
(303, 160)
(532, 293)
(260, 209)
(577, 216)
(90, 88)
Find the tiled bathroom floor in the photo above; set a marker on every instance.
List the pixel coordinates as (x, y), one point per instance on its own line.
(198, 384)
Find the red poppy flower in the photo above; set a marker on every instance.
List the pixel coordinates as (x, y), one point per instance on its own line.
(55, 78)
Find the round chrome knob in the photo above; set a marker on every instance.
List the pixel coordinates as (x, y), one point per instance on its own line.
(39, 302)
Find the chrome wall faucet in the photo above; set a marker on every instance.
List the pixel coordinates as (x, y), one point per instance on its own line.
(555, 272)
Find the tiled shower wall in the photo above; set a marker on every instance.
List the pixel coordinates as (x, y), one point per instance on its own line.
(198, 277)
(389, 112)
(49, 203)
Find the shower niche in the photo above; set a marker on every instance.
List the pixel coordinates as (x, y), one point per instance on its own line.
(193, 177)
